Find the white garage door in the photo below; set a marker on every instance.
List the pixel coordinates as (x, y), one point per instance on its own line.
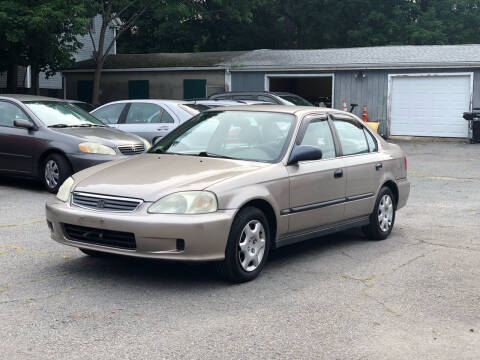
(430, 105)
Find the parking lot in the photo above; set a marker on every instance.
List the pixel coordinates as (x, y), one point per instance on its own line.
(415, 295)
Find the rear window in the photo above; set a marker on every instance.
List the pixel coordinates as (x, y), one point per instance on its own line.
(296, 100)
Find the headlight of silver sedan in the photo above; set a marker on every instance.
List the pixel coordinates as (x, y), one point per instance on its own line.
(186, 202)
(64, 190)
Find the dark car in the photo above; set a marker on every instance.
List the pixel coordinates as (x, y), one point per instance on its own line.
(277, 98)
(48, 138)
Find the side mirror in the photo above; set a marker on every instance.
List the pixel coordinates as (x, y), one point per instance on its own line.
(304, 153)
(22, 123)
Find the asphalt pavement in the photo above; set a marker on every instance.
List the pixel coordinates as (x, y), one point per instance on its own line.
(415, 295)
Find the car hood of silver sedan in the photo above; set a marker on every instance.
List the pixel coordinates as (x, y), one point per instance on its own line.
(100, 135)
(151, 176)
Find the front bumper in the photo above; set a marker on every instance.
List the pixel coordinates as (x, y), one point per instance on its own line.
(205, 236)
(83, 161)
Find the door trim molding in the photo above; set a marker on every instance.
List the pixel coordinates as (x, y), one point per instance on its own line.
(323, 204)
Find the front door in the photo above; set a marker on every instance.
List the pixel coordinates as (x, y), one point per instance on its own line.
(17, 145)
(363, 165)
(317, 188)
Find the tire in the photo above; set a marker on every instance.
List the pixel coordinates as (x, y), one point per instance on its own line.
(246, 251)
(383, 217)
(56, 169)
(93, 253)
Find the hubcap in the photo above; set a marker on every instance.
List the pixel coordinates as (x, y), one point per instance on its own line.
(251, 246)
(385, 213)
(52, 173)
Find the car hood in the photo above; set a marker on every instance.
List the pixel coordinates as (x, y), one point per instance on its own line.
(101, 135)
(151, 176)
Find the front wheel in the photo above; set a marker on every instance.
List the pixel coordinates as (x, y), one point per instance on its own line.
(56, 169)
(247, 246)
(383, 216)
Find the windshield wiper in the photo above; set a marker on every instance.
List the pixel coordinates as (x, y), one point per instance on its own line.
(209, 154)
(59, 126)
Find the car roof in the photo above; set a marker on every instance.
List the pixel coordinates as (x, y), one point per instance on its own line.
(259, 92)
(286, 109)
(151, 101)
(25, 97)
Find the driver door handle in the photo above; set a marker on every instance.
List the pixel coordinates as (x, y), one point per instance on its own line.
(338, 173)
(163, 128)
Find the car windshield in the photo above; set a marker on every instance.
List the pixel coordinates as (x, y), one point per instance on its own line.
(61, 114)
(243, 135)
(296, 100)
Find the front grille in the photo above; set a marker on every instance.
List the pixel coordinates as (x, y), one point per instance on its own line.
(111, 238)
(105, 203)
(132, 149)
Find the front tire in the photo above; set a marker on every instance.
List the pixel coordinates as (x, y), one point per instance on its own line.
(56, 169)
(248, 246)
(383, 217)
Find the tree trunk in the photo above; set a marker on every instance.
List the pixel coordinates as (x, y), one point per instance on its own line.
(12, 79)
(96, 83)
(35, 89)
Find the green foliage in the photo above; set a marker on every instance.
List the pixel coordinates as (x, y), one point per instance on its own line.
(41, 33)
(219, 25)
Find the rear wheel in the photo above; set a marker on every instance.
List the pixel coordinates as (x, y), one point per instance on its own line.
(247, 246)
(56, 169)
(383, 216)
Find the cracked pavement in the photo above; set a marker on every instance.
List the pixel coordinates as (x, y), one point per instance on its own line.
(415, 295)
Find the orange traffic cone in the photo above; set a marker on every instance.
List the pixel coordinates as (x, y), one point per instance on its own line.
(365, 113)
(344, 105)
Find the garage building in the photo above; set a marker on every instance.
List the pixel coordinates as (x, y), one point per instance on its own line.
(410, 90)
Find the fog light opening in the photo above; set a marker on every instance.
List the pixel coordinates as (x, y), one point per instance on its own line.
(180, 244)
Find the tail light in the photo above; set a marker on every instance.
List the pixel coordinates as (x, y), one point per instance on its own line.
(405, 158)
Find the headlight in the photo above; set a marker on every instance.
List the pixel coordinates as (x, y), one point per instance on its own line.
(64, 190)
(187, 202)
(96, 148)
(147, 144)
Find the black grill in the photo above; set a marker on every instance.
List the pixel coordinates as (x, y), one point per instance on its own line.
(118, 239)
(105, 203)
(132, 149)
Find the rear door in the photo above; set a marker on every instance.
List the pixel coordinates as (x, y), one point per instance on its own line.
(150, 121)
(363, 165)
(17, 145)
(317, 188)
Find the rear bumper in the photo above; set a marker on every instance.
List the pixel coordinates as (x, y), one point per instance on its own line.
(205, 236)
(83, 161)
(403, 192)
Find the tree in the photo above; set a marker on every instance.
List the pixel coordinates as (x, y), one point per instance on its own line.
(40, 33)
(123, 14)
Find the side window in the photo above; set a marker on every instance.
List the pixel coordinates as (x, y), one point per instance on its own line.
(372, 143)
(167, 118)
(9, 113)
(266, 99)
(109, 114)
(143, 113)
(318, 134)
(351, 136)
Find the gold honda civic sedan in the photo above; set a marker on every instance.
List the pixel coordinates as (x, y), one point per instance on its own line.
(231, 185)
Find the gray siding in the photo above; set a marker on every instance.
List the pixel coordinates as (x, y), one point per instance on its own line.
(371, 91)
(85, 53)
(248, 81)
